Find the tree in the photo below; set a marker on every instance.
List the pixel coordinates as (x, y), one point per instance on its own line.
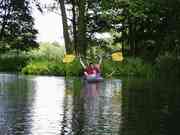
(74, 26)
(151, 23)
(17, 25)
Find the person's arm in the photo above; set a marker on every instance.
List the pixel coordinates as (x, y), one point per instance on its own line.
(100, 60)
(83, 65)
(85, 73)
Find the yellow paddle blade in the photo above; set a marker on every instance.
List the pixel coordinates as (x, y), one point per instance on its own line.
(68, 58)
(117, 56)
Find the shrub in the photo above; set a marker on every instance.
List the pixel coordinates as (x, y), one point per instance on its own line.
(36, 68)
(168, 66)
(47, 51)
(56, 68)
(13, 60)
(130, 66)
(53, 68)
(46, 60)
(74, 68)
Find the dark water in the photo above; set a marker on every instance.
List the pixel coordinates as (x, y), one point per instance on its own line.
(44, 105)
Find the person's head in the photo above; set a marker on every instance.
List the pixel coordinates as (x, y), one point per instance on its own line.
(91, 65)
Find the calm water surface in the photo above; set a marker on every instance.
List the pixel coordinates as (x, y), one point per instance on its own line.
(42, 105)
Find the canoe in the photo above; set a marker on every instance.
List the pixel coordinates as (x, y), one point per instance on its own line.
(95, 79)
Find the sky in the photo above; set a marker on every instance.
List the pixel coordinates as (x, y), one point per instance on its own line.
(49, 26)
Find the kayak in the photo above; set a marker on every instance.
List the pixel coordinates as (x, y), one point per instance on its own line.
(93, 79)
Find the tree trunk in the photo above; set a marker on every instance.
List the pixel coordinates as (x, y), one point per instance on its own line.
(74, 26)
(131, 38)
(4, 20)
(3, 24)
(2, 29)
(82, 42)
(68, 44)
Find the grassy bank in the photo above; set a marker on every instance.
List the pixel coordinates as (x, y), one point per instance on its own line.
(37, 63)
(47, 60)
(46, 67)
(109, 68)
(164, 67)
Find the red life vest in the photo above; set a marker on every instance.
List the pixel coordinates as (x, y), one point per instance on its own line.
(90, 70)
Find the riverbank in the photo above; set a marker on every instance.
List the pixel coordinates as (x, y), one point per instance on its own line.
(46, 61)
(26, 64)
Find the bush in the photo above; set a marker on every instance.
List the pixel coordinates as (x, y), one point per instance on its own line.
(56, 68)
(53, 68)
(46, 60)
(36, 68)
(13, 60)
(47, 51)
(130, 66)
(74, 68)
(168, 66)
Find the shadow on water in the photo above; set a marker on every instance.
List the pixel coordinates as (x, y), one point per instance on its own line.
(150, 107)
(43, 105)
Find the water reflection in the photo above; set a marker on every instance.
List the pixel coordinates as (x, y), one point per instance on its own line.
(44, 105)
(58, 106)
(95, 111)
(48, 105)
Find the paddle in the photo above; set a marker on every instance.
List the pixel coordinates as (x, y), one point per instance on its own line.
(68, 58)
(117, 56)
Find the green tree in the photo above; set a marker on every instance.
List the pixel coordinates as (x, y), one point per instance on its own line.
(16, 22)
(153, 26)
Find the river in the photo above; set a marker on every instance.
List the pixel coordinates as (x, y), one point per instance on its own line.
(48, 105)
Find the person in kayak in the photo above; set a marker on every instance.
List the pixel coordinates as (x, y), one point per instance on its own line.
(92, 70)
